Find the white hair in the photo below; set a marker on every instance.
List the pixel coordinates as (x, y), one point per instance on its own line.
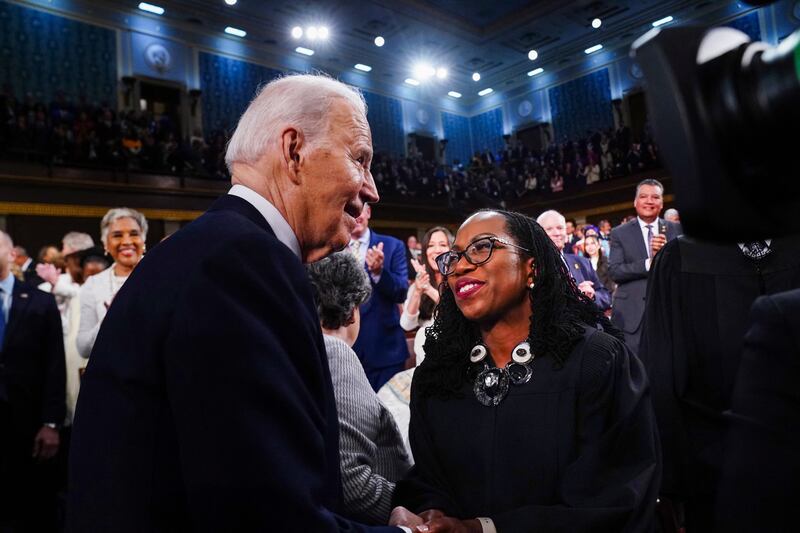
(5, 236)
(77, 241)
(300, 100)
(671, 212)
(550, 213)
(122, 212)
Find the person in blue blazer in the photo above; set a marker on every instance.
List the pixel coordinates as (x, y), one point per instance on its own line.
(631, 254)
(579, 268)
(207, 404)
(381, 344)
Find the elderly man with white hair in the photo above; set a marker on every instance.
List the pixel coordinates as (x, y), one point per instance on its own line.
(581, 270)
(207, 404)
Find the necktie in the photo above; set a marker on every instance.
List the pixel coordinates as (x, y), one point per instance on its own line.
(355, 249)
(2, 317)
(649, 238)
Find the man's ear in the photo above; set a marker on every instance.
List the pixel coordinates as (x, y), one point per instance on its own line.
(293, 151)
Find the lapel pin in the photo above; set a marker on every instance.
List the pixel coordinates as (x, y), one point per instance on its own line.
(576, 266)
(23, 295)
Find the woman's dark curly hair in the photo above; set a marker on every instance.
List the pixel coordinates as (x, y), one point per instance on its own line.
(559, 313)
(426, 304)
(339, 284)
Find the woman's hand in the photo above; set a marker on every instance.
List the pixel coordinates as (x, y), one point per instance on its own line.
(403, 517)
(447, 524)
(422, 283)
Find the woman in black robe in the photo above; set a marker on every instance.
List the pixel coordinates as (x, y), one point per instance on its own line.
(529, 413)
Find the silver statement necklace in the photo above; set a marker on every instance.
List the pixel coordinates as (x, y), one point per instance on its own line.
(492, 383)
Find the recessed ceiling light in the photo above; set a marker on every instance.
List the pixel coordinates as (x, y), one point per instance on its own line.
(150, 8)
(311, 33)
(536, 71)
(323, 32)
(297, 32)
(423, 71)
(476, 76)
(379, 41)
(593, 49)
(231, 2)
(532, 55)
(596, 23)
(412, 81)
(454, 94)
(656, 24)
(230, 30)
(441, 73)
(362, 67)
(304, 51)
(485, 91)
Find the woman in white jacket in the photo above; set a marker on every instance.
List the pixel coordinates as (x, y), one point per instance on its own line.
(123, 232)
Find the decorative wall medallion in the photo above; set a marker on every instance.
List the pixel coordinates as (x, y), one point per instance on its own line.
(158, 58)
(422, 116)
(524, 108)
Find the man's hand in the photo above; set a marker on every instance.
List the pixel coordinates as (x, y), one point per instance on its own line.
(587, 288)
(447, 524)
(48, 272)
(403, 517)
(657, 242)
(45, 445)
(374, 259)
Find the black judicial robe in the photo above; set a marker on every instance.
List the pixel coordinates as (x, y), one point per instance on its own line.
(575, 449)
(698, 303)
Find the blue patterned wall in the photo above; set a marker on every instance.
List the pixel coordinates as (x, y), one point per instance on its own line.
(42, 53)
(487, 131)
(748, 24)
(228, 85)
(459, 143)
(385, 116)
(582, 105)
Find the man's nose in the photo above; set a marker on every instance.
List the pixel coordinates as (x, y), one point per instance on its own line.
(369, 191)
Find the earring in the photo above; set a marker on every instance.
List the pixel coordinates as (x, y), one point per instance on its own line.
(531, 285)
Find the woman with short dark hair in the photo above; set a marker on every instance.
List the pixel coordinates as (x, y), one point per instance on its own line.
(529, 413)
(372, 453)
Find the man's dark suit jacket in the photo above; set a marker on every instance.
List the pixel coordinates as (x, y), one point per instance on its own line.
(381, 343)
(32, 386)
(207, 404)
(627, 269)
(581, 270)
(761, 479)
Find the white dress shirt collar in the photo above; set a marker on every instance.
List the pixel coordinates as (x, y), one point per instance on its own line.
(6, 294)
(643, 225)
(283, 231)
(26, 264)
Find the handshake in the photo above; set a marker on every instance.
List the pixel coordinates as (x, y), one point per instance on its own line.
(435, 521)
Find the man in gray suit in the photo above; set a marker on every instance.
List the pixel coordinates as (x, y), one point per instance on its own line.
(633, 246)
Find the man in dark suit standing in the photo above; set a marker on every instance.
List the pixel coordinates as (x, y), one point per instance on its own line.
(579, 268)
(633, 246)
(381, 344)
(207, 404)
(32, 400)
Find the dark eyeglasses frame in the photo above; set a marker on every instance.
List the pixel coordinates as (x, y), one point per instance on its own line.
(463, 253)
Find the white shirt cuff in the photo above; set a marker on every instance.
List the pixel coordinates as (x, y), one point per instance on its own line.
(487, 524)
(375, 278)
(647, 264)
(405, 529)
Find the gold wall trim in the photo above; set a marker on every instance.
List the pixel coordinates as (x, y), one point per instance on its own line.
(610, 208)
(90, 211)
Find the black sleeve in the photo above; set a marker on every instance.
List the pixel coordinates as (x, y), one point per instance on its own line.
(249, 419)
(612, 483)
(54, 407)
(425, 486)
(663, 353)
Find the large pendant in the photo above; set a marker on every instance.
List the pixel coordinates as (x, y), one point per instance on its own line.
(491, 386)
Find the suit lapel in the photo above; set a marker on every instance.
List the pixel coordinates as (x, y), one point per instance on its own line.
(636, 233)
(19, 302)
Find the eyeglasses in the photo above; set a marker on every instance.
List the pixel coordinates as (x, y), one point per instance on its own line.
(477, 253)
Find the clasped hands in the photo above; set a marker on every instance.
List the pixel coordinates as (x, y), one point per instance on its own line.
(374, 259)
(432, 521)
(422, 282)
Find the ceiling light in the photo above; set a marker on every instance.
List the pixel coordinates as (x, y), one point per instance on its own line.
(379, 41)
(596, 23)
(441, 73)
(656, 24)
(362, 67)
(536, 71)
(297, 32)
(532, 55)
(304, 51)
(323, 32)
(454, 94)
(485, 91)
(231, 2)
(424, 71)
(412, 81)
(230, 30)
(593, 49)
(476, 76)
(150, 8)
(311, 33)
